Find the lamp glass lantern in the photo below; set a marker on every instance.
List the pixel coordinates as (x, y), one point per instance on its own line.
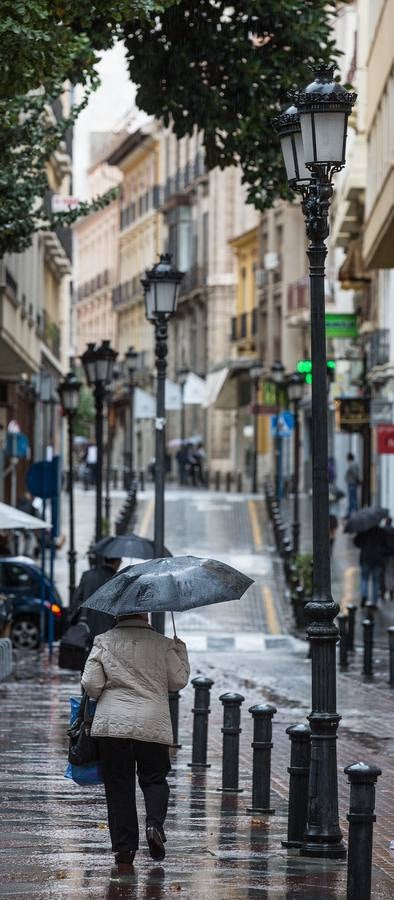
(89, 363)
(324, 108)
(68, 391)
(161, 287)
(255, 371)
(105, 359)
(289, 129)
(277, 372)
(295, 388)
(131, 359)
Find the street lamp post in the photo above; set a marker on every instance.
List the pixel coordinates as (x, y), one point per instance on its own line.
(98, 364)
(313, 139)
(131, 357)
(255, 372)
(278, 374)
(294, 392)
(161, 297)
(68, 391)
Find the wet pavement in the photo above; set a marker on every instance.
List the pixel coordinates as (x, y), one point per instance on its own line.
(54, 840)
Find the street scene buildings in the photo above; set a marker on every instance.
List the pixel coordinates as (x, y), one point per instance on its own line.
(197, 374)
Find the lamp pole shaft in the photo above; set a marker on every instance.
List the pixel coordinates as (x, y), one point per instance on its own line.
(183, 412)
(99, 400)
(131, 435)
(71, 552)
(108, 471)
(255, 436)
(296, 500)
(277, 450)
(323, 837)
(158, 619)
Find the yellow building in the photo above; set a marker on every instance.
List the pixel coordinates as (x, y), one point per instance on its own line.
(244, 323)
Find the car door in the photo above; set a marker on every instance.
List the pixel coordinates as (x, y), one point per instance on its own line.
(18, 581)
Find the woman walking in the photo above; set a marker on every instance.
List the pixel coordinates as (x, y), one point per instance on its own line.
(130, 671)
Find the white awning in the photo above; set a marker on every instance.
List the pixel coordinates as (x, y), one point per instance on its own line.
(173, 395)
(144, 404)
(222, 390)
(14, 518)
(195, 390)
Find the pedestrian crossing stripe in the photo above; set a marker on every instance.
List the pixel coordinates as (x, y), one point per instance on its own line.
(247, 642)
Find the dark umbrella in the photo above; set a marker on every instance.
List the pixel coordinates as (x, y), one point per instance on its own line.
(128, 545)
(173, 585)
(364, 519)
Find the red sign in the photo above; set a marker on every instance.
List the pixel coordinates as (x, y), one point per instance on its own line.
(386, 439)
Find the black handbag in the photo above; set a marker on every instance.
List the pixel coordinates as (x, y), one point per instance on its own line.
(83, 749)
(75, 647)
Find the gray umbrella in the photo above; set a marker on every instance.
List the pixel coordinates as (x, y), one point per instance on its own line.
(173, 585)
(364, 519)
(127, 545)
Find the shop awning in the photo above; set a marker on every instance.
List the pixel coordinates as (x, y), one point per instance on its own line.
(223, 384)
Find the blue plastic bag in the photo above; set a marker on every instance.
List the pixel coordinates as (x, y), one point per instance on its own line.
(83, 775)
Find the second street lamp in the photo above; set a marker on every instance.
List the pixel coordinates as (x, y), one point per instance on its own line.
(277, 375)
(294, 392)
(98, 363)
(131, 358)
(161, 297)
(68, 391)
(182, 378)
(314, 130)
(255, 371)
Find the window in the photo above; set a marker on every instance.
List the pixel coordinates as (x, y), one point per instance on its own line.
(16, 576)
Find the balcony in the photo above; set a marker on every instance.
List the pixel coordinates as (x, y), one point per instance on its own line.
(147, 202)
(298, 303)
(128, 293)
(195, 279)
(98, 283)
(244, 326)
(185, 177)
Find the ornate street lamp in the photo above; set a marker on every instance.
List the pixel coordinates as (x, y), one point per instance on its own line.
(278, 376)
(182, 378)
(161, 296)
(320, 117)
(98, 363)
(255, 372)
(295, 387)
(131, 358)
(68, 391)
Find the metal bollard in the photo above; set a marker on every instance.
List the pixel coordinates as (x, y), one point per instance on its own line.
(239, 482)
(368, 627)
(351, 609)
(390, 632)
(263, 714)
(217, 481)
(342, 627)
(142, 480)
(300, 759)
(362, 779)
(229, 479)
(202, 687)
(370, 610)
(231, 731)
(173, 699)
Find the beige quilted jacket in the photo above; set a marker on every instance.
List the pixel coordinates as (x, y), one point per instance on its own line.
(129, 672)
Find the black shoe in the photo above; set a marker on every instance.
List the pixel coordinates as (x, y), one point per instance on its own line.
(125, 857)
(155, 842)
(363, 601)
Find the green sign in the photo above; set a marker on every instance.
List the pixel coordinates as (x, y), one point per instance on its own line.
(341, 325)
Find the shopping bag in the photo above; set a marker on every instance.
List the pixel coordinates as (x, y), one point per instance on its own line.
(74, 647)
(89, 773)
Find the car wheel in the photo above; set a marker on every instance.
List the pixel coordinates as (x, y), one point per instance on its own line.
(25, 634)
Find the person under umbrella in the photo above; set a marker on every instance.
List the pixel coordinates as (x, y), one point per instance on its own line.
(372, 546)
(130, 671)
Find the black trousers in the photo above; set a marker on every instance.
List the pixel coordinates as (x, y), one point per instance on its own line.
(118, 759)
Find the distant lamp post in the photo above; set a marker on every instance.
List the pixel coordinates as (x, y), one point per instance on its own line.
(255, 372)
(98, 363)
(278, 376)
(161, 297)
(68, 391)
(182, 375)
(295, 389)
(131, 358)
(313, 139)
(109, 400)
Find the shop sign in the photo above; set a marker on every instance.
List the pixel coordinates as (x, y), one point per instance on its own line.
(353, 413)
(341, 325)
(385, 439)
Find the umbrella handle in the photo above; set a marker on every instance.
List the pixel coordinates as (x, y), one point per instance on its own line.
(173, 624)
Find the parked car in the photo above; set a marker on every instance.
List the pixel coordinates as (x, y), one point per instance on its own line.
(20, 582)
(6, 614)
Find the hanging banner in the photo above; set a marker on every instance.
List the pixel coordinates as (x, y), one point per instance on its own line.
(195, 390)
(144, 404)
(341, 325)
(173, 398)
(385, 439)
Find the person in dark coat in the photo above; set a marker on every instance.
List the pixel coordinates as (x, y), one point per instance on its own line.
(372, 546)
(90, 581)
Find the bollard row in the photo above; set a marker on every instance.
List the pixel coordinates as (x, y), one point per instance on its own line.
(5, 658)
(126, 515)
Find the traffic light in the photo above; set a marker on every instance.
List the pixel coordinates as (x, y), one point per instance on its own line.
(304, 367)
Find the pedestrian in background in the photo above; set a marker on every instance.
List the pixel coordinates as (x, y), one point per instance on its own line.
(129, 672)
(372, 546)
(352, 478)
(388, 571)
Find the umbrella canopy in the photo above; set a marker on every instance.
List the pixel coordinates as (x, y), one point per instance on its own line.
(172, 585)
(129, 545)
(11, 518)
(364, 519)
